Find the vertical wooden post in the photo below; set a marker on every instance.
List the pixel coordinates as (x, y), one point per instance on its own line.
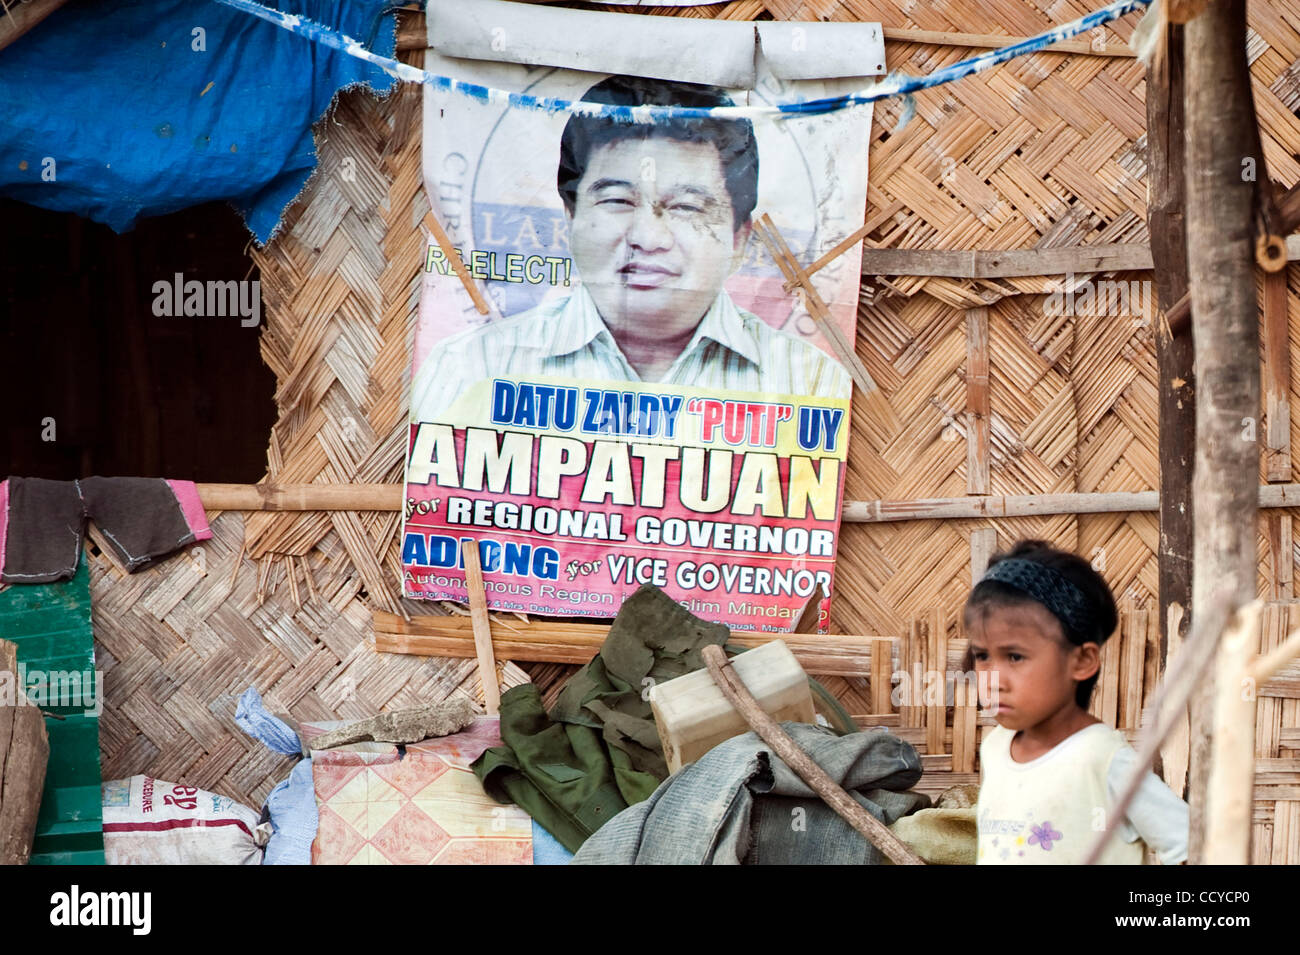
(965, 705)
(936, 715)
(910, 711)
(1221, 132)
(1277, 383)
(977, 400)
(983, 541)
(882, 675)
(1132, 670)
(1166, 202)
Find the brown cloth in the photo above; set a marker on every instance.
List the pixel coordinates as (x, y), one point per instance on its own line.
(41, 530)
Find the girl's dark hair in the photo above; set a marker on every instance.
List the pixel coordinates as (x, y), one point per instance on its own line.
(1091, 620)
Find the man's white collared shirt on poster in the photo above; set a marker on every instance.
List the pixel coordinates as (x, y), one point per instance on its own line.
(732, 349)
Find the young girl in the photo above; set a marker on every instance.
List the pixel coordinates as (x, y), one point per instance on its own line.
(1051, 771)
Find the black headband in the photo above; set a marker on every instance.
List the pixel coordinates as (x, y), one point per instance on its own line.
(1051, 589)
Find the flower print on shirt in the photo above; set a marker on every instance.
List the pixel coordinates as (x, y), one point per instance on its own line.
(1044, 835)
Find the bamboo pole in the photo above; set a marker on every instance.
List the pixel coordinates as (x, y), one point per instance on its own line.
(1230, 787)
(388, 497)
(1221, 128)
(871, 828)
(301, 497)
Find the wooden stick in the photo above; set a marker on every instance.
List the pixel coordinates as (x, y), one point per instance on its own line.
(848, 242)
(817, 308)
(871, 828)
(444, 242)
(1231, 783)
(1264, 669)
(478, 613)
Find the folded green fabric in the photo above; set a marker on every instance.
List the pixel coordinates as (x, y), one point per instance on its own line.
(598, 751)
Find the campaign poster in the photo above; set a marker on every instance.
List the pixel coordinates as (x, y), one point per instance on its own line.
(645, 402)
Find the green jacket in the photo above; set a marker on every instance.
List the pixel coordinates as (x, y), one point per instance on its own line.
(598, 750)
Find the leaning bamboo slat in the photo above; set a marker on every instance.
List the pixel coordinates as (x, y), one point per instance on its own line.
(482, 630)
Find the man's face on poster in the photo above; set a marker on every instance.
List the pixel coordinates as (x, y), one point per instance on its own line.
(652, 232)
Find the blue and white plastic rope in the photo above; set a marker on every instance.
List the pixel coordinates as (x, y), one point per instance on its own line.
(892, 85)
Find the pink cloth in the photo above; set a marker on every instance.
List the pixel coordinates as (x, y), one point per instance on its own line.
(187, 495)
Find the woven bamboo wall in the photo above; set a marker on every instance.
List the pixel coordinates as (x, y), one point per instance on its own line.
(1045, 151)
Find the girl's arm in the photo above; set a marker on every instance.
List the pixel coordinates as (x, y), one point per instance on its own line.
(1157, 815)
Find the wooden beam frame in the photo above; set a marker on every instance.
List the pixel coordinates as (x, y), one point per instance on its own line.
(388, 497)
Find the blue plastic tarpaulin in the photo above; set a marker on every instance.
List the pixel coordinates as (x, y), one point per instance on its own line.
(116, 111)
